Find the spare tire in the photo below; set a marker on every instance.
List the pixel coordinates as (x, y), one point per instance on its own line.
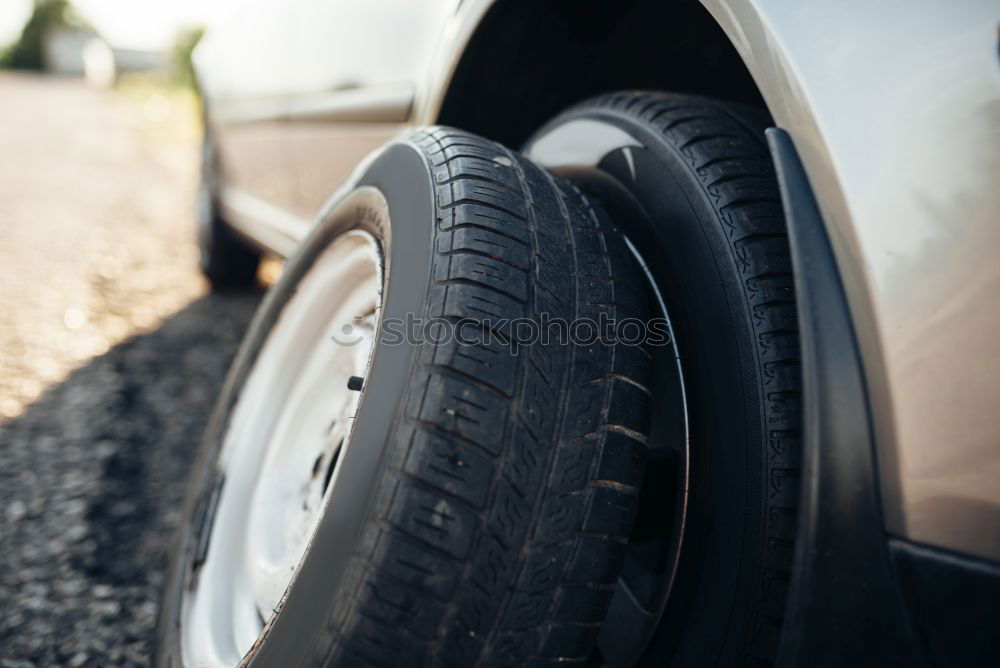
(416, 500)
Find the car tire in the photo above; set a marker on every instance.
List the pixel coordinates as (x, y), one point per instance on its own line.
(480, 511)
(226, 260)
(698, 198)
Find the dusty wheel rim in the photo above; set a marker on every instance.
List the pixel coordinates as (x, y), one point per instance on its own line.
(282, 451)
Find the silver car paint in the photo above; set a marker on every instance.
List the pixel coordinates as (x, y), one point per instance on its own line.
(894, 107)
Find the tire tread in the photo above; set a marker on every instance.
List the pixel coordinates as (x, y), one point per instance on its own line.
(723, 145)
(498, 549)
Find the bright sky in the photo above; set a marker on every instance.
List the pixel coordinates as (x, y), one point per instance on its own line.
(138, 24)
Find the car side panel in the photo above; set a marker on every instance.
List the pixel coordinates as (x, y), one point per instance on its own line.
(895, 110)
(299, 92)
(355, 70)
(240, 73)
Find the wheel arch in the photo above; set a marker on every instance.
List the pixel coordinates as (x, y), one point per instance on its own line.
(724, 49)
(556, 55)
(732, 50)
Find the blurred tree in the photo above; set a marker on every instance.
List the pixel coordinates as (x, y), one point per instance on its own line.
(181, 68)
(26, 52)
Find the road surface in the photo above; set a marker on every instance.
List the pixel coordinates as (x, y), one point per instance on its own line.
(111, 354)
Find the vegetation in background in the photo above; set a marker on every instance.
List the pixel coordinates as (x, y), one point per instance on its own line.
(26, 52)
(181, 68)
(163, 101)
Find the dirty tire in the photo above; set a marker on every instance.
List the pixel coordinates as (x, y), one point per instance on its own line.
(715, 238)
(495, 527)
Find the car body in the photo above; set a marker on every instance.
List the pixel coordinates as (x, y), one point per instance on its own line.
(892, 115)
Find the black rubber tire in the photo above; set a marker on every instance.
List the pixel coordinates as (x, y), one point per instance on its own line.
(227, 261)
(712, 232)
(505, 491)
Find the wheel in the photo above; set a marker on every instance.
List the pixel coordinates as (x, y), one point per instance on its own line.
(691, 184)
(375, 490)
(227, 261)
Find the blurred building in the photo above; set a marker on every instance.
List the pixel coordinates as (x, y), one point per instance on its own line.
(62, 49)
(82, 52)
(104, 63)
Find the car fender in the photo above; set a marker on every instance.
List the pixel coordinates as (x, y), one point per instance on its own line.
(895, 113)
(894, 110)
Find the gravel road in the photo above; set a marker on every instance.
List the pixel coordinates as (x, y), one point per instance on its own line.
(111, 354)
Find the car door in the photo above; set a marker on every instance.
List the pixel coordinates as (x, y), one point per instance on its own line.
(355, 70)
(242, 67)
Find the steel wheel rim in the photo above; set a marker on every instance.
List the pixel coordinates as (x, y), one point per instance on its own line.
(281, 453)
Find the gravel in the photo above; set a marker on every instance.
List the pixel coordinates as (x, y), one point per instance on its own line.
(111, 355)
